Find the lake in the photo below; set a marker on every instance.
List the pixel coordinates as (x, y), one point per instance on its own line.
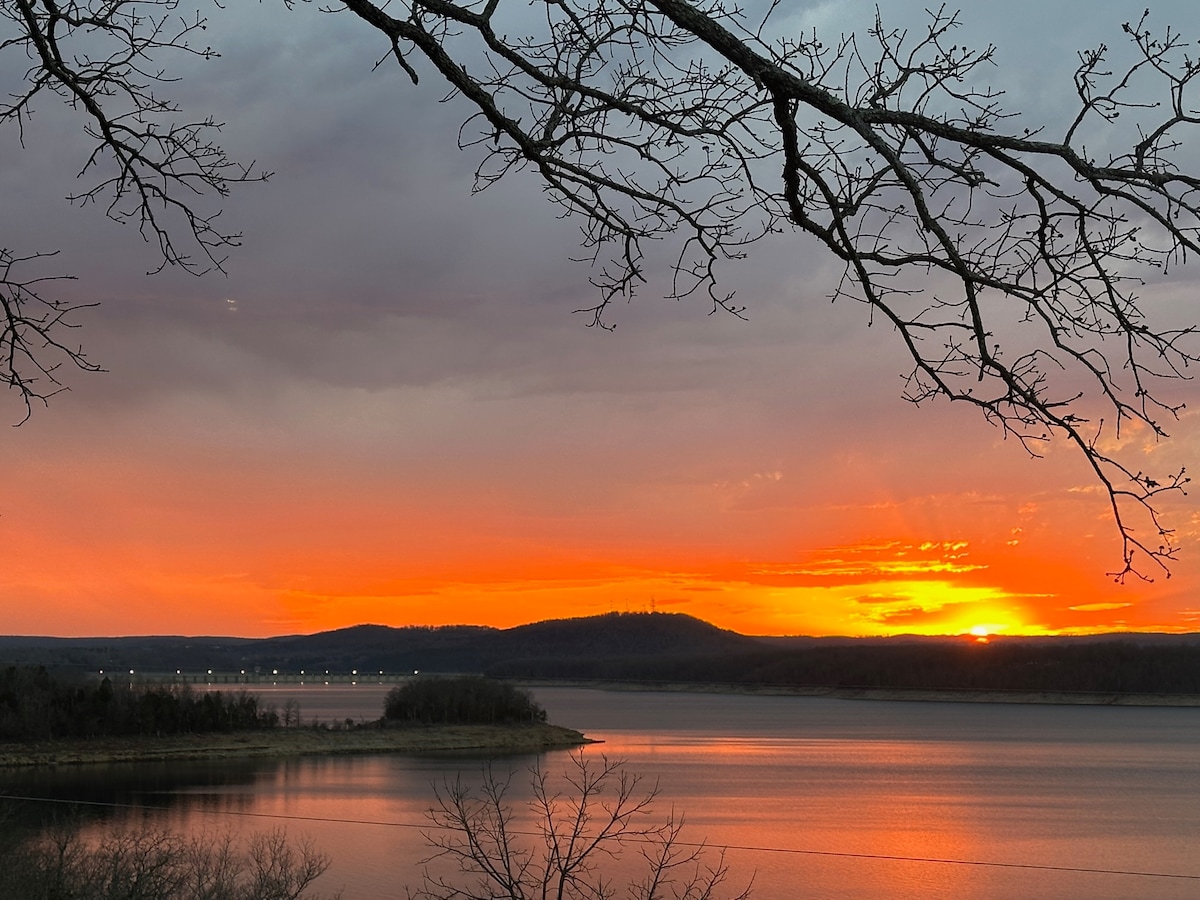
(813, 797)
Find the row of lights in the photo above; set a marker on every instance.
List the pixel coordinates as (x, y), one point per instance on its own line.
(276, 671)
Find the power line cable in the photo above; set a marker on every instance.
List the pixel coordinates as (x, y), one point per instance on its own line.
(1085, 870)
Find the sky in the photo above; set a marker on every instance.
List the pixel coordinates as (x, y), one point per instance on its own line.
(387, 412)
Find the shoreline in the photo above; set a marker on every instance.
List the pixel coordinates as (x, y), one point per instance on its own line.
(292, 742)
(912, 695)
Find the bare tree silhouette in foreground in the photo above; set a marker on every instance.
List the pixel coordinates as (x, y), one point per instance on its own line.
(588, 835)
(1007, 259)
(148, 864)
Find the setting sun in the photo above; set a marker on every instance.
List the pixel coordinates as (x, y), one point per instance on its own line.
(980, 633)
(490, 412)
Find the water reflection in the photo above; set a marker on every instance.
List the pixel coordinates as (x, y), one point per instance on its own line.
(819, 798)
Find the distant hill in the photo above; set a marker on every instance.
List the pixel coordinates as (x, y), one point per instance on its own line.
(623, 634)
(659, 647)
(453, 648)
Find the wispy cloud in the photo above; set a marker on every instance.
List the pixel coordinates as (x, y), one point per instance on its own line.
(875, 559)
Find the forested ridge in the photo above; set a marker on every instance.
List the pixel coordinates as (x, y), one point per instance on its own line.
(451, 648)
(658, 647)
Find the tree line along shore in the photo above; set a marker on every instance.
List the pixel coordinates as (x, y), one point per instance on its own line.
(652, 647)
(49, 718)
(1063, 668)
(849, 692)
(50, 715)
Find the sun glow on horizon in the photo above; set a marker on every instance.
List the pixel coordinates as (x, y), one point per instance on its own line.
(983, 633)
(262, 580)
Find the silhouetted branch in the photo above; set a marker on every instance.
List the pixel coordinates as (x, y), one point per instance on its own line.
(1007, 259)
(151, 164)
(581, 824)
(149, 864)
(33, 344)
(1008, 262)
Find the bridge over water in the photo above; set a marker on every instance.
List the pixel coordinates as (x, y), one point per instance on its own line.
(215, 677)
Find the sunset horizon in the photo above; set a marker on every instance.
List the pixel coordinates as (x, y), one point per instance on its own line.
(983, 630)
(455, 444)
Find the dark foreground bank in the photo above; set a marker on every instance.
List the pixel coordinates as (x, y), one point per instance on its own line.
(499, 739)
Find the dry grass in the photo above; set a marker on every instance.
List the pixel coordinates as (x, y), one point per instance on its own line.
(293, 742)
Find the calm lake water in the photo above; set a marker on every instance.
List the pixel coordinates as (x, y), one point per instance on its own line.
(813, 797)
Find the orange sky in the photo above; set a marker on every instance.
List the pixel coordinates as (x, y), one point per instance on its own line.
(128, 529)
(387, 413)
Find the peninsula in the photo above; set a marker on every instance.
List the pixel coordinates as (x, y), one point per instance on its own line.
(289, 742)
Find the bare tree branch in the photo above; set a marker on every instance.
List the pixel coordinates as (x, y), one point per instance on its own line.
(571, 840)
(33, 344)
(148, 864)
(151, 164)
(1007, 262)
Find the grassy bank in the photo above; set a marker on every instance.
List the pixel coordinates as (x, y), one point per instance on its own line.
(286, 742)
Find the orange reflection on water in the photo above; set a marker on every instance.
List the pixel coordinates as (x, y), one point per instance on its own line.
(876, 815)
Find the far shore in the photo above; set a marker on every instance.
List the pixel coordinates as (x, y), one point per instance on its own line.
(289, 742)
(923, 695)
